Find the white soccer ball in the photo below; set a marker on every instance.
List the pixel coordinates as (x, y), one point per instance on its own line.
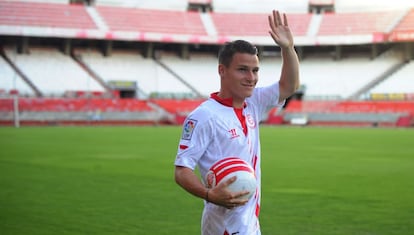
(226, 168)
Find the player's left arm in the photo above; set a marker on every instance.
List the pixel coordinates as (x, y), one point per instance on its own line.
(281, 34)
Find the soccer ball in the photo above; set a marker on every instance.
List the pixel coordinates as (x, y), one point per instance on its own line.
(228, 167)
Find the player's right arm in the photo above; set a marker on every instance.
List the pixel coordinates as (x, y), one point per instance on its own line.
(188, 180)
(219, 195)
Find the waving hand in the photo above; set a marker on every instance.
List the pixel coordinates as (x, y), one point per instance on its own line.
(279, 30)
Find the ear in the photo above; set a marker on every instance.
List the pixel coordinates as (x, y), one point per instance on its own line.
(221, 69)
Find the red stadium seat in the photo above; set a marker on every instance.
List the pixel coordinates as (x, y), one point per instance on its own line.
(178, 106)
(245, 24)
(152, 21)
(76, 105)
(45, 15)
(296, 106)
(358, 22)
(404, 29)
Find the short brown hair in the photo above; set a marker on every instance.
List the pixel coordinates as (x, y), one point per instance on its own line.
(227, 52)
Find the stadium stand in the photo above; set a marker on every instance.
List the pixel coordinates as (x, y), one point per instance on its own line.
(340, 79)
(149, 76)
(370, 6)
(178, 106)
(201, 75)
(43, 14)
(260, 6)
(350, 107)
(407, 23)
(403, 30)
(180, 5)
(58, 73)
(52, 111)
(10, 81)
(47, 1)
(255, 24)
(80, 105)
(152, 21)
(351, 88)
(350, 23)
(354, 113)
(401, 82)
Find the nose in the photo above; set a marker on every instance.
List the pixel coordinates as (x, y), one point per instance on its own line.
(251, 76)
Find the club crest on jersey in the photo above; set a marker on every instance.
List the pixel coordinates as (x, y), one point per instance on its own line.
(188, 129)
(250, 121)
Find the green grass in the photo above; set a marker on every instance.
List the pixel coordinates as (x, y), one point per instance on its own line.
(119, 180)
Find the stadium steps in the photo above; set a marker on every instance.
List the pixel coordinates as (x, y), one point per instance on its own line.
(84, 66)
(405, 23)
(377, 80)
(172, 72)
(314, 25)
(394, 24)
(208, 24)
(22, 75)
(99, 21)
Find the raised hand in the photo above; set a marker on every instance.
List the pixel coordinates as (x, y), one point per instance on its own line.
(280, 31)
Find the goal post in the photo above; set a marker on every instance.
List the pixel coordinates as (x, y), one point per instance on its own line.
(10, 110)
(16, 116)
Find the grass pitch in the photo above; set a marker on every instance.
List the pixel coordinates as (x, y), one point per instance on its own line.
(119, 180)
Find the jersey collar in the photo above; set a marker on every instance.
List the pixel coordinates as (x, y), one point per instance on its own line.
(226, 102)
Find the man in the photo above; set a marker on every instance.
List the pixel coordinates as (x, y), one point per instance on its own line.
(227, 125)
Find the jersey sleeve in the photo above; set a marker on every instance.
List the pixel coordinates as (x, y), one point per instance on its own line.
(195, 138)
(267, 97)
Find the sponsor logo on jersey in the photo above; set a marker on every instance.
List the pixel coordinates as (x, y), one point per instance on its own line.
(188, 129)
(233, 133)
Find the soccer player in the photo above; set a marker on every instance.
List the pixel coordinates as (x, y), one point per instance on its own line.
(227, 124)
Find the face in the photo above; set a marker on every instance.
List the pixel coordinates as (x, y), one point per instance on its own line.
(240, 78)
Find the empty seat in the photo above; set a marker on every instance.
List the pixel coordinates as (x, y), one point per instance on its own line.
(57, 74)
(357, 23)
(44, 14)
(255, 24)
(152, 21)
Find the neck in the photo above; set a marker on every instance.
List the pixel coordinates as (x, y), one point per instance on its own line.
(235, 103)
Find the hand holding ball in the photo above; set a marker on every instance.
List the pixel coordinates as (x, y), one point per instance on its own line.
(226, 168)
